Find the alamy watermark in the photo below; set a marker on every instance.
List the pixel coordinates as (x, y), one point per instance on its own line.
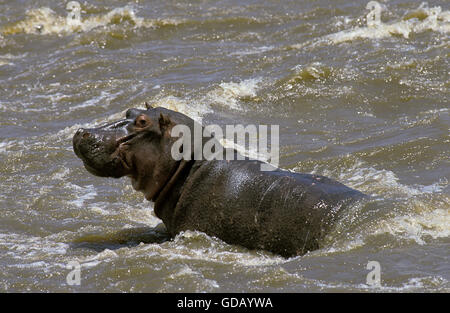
(252, 139)
(74, 276)
(373, 278)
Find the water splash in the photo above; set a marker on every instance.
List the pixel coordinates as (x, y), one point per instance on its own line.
(416, 213)
(311, 72)
(421, 20)
(194, 109)
(45, 21)
(230, 93)
(418, 227)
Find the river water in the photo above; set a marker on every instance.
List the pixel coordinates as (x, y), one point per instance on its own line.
(364, 103)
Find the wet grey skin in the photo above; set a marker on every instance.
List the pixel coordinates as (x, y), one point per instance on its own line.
(96, 146)
(280, 211)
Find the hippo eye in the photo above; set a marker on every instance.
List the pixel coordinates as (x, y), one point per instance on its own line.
(142, 121)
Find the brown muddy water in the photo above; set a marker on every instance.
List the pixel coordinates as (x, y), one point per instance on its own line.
(367, 105)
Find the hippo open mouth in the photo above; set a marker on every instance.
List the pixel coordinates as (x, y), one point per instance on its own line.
(99, 150)
(130, 147)
(103, 149)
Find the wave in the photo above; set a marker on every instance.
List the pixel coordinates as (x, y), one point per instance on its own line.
(417, 21)
(45, 21)
(406, 214)
(229, 94)
(434, 20)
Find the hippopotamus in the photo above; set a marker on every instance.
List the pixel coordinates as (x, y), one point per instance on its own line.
(280, 211)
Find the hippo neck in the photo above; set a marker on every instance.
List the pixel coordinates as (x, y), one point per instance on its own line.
(169, 195)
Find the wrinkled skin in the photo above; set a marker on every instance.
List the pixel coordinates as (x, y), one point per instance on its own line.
(279, 211)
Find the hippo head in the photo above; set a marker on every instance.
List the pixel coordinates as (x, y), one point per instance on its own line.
(138, 146)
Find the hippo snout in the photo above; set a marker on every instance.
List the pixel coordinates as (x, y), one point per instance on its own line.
(80, 138)
(85, 142)
(98, 149)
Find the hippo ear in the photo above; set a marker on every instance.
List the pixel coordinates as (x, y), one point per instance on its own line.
(164, 122)
(147, 106)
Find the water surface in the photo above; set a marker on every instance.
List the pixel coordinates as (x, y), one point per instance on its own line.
(367, 106)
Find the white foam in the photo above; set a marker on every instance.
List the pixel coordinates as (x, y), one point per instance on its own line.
(417, 227)
(403, 28)
(185, 247)
(436, 20)
(104, 255)
(61, 174)
(193, 109)
(6, 59)
(40, 264)
(91, 261)
(4, 62)
(421, 283)
(99, 210)
(363, 177)
(185, 270)
(377, 181)
(412, 284)
(54, 98)
(83, 194)
(212, 251)
(143, 213)
(68, 132)
(423, 221)
(104, 97)
(5, 146)
(31, 248)
(251, 51)
(229, 93)
(45, 21)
